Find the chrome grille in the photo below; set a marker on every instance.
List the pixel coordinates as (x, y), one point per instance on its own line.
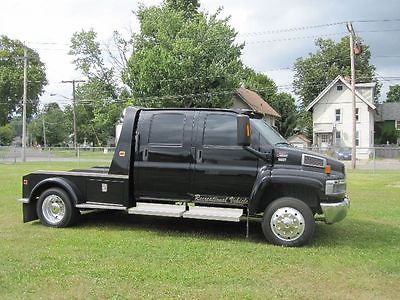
(313, 161)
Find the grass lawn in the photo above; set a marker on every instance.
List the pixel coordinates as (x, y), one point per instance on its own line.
(114, 255)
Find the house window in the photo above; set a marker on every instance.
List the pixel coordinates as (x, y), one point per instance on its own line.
(339, 87)
(357, 114)
(338, 115)
(398, 124)
(325, 138)
(357, 138)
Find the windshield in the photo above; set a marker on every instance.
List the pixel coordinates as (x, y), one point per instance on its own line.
(268, 133)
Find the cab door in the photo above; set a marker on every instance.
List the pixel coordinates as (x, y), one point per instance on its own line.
(164, 157)
(222, 168)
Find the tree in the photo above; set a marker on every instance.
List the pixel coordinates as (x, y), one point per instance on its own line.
(183, 58)
(6, 135)
(259, 83)
(50, 122)
(314, 73)
(394, 93)
(188, 7)
(283, 103)
(98, 104)
(385, 132)
(11, 79)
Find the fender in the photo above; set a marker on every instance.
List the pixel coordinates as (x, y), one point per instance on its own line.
(60, 182)
(29, 208)
(265, 179)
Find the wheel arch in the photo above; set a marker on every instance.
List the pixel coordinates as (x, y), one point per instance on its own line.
(56, 182)
(307, 190)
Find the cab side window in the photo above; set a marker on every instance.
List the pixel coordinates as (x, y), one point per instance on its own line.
(220, 130)
(167, 128)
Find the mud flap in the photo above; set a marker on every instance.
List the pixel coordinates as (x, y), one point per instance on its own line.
(29, 212)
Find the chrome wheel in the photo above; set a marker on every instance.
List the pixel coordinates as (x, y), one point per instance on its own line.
(53, 209)
(287, 224)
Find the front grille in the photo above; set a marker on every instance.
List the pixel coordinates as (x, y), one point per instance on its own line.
(313, 161)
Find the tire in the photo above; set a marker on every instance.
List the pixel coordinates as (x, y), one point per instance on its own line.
(288, 222)
(55, 208)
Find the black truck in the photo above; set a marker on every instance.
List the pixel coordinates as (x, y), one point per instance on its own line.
(212, 164)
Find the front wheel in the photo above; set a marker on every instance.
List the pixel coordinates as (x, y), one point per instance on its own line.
(288, 222)
(55, 208)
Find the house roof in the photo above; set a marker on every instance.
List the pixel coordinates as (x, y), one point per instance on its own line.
(255, 102)
(388, 111)
(334, 81)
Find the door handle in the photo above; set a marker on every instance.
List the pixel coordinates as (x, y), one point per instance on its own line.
(199, 156)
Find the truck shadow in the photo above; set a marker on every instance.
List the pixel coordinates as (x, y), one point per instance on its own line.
(349, 233)
(173, 226)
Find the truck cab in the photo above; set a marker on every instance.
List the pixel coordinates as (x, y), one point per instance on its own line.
(210, 164)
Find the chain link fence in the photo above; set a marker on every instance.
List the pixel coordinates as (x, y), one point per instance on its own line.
(11, 154)
(382, 157)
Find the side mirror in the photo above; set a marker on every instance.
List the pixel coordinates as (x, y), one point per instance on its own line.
(243, 130)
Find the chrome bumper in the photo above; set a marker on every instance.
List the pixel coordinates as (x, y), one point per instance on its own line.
(335, 212)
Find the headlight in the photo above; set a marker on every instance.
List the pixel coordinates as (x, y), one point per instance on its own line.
(335, 187)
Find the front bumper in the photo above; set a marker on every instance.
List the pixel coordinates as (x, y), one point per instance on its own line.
(335, 212)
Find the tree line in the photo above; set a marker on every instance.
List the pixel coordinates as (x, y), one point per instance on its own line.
(180, 57)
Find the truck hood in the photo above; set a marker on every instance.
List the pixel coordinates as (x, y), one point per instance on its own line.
(290, 156)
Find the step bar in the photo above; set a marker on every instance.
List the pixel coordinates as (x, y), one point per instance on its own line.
(194, 212)
(156, 209)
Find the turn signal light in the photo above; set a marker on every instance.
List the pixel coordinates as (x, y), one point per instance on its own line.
(248, 130)
(25, 182)
(328, 169)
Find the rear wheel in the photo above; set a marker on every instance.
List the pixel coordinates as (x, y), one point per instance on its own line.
(55, 208)
(288, 222)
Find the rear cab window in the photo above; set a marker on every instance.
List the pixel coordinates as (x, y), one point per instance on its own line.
(167, 129)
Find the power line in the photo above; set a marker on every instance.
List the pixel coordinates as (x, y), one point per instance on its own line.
(301, 28)
(308, 27)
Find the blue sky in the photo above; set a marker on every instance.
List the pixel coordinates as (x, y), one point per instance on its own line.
(47, 26)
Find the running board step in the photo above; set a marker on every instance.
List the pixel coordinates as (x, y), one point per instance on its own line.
(100, 206)
(155, 209)
(214, 213)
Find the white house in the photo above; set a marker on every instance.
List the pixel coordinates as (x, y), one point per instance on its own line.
(332, 116)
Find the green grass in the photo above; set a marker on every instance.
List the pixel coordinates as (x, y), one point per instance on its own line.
(114, 255)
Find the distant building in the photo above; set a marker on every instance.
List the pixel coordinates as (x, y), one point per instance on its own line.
(300, 141)
(387, 123)
(247, 99)
(332, 116)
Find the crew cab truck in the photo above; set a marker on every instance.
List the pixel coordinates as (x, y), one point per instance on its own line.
(212, 164)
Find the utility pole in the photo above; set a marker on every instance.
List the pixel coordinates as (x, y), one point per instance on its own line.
(353, 92)
(44, 134)
(73, 111)
(24, 104)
